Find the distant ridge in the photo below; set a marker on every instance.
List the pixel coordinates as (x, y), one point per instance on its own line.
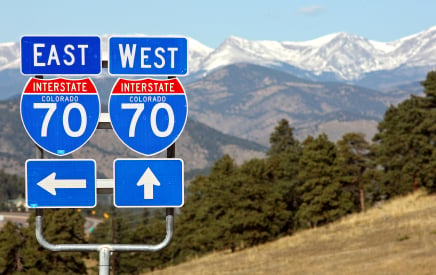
(337, 56)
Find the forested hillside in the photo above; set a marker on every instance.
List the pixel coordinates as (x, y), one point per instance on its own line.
(297, 185)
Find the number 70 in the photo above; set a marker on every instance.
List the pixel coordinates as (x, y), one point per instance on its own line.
(51, 108)
(139, 107)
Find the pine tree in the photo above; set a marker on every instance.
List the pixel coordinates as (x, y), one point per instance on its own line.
(233, 207)
(11, 242)
(323, 199)
(61, 226)
(282, 139)
(257, 213)
(151, 230)
(353, 160)
(428, 128)
(283, 161)
(200, 226)
(405, 143)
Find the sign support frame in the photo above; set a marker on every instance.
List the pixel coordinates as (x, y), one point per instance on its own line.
(104, 249)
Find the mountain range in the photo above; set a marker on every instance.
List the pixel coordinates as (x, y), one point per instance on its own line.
(334, 57)
(340, 57)
(335, 84)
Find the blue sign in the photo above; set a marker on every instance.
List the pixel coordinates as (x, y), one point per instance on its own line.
(148, 183)
(59, 183)
(148, 55)
(60, 55)
(148, 115)
(60, 115)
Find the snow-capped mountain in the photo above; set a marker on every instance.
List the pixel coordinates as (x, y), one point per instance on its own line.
(337, 56)
(348, 57)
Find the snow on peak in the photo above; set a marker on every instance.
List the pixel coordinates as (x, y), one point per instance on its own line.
(346, 55)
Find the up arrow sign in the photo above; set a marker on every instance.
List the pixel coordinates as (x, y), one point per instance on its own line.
(136, 181)
(148, 179)
(50, 183)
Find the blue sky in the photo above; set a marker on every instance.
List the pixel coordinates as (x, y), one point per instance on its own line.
(211, 22)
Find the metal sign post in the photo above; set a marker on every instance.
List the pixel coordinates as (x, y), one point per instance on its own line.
(105, 249)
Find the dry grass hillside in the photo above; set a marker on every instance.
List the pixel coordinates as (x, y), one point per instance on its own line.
(398, 237)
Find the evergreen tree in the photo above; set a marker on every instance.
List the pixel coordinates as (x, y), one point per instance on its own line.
(323, 199)
(353, 160)
(152, 230)
(233, 207)
(200, 226)
(428, 128)
(11, 242)
(257, 212)
(61, 226)
(282, 139)
(405, 143)
(283, 159)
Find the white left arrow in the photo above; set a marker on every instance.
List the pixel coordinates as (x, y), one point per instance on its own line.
(50, 183)
(148, 179)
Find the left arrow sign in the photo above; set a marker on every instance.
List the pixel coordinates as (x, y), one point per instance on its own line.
(61, 183)
(50, 183)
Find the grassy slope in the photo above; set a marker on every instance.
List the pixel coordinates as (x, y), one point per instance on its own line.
(398, 237)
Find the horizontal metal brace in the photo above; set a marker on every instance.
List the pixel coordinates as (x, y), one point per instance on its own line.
(105, 186)
(104, 121)
(111, 247)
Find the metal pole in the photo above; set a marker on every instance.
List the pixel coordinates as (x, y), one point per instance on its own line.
(39, 152)
(113, 247)
(105, 249)
(104, 267)
(171, 153)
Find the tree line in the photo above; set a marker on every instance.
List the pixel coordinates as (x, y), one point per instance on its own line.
(298, 185)
(11, 186)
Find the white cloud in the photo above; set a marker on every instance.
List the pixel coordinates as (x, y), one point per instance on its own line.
(311, 10)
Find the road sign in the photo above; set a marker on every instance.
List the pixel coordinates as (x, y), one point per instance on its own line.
(148, 183)
(148, 115)
(148, 55)
(60, 55)
(57, 183)
(60, 115)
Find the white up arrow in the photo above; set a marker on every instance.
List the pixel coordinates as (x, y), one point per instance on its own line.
(50, 184)
(148, 179)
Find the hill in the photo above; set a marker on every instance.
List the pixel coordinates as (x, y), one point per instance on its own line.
(398, 237)
(199, 145)
(247, 100)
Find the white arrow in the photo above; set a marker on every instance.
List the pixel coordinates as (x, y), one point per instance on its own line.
(50, 184)
(148, 179)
